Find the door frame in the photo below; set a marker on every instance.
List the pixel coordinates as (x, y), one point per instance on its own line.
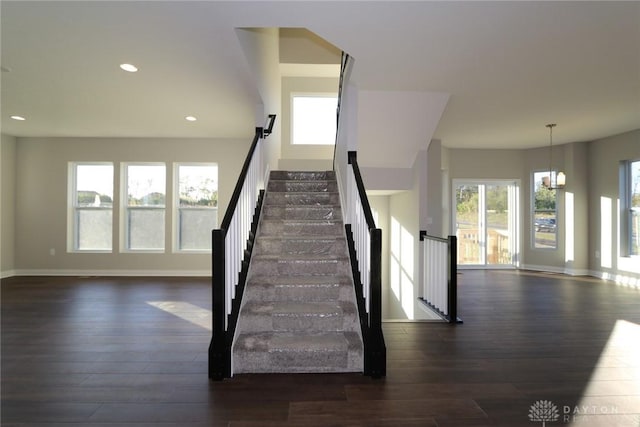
(514, 219)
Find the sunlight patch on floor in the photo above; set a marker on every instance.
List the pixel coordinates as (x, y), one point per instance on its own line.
(612, 396)
(186, 311)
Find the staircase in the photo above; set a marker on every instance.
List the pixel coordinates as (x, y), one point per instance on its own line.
(299, 311)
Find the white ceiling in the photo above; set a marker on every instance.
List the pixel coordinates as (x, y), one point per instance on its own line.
(509, 67)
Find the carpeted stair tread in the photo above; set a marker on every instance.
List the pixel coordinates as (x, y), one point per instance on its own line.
(301, 280)
(301, 227)
(308, 244)
(299, 265)
(299, 316)
(301, 199)
(301, 175)
(297, 186)
(313, 212)
(301, 288)
(302, 257)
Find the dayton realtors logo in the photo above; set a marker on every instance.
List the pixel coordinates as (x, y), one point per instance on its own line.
(544, 411)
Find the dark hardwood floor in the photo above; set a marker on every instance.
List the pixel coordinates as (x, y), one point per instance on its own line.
(133, 352)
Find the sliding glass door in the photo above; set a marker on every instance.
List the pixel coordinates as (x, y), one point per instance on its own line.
(486, 222)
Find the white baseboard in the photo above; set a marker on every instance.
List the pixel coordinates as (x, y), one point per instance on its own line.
(114, 273)
(6, 274)
(558, 270)
(620, 279)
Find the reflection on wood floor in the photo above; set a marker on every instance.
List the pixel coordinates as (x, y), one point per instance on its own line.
(133, 352)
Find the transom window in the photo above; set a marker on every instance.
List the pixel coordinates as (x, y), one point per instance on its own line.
(313, 119)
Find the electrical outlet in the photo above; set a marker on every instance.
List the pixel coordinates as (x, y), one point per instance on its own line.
(597, 254)
(52, 251)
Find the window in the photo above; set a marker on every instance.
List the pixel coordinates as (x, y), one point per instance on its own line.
(545, 233)
(630, 208)
(144, 216)
(91, 197)
(313, 119)
(196, 206)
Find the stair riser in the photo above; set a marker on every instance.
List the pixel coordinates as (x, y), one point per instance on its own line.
(302, 212)
(255, 353)
(319, 228)
(288, 316)
(308, 293)
(296, 199)
(302, 186)
(300, 247)
(302, 176)
(292, 361)
(285, 322)
(277, 267)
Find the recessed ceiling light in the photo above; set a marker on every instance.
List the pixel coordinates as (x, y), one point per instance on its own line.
(129, 67)
(19, 118)
(190, 119)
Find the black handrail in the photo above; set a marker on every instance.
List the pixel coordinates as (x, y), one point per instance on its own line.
(343, 68)
(233, 202)
(366, 207)
(223, 328)
(452, 276)
(271, 120)
(375, 352)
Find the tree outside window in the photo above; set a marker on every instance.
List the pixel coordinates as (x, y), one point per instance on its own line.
(197, 206)
(634, 207)
(92, 206)
(145, 207)
(544, 227)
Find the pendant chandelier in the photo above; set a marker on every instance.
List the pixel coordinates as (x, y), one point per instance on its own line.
(553, 181)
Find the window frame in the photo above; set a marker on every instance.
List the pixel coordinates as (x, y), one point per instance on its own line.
(125, 237)
(535, 185)
(626, 208)
(293, 96)
(177, 209)
(73, 214)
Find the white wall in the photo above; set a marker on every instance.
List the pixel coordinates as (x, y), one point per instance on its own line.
(380, 209)
(407, 216)
(41, 201)
(301, 46)
(261, 48)
(604, 158)
(393, 126)
(7, 205)
(433, 221)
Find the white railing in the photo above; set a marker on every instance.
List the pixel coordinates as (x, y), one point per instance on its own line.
(439, 279)
(231, 251)
(239, 227)
(361, 236)
(365, 250)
